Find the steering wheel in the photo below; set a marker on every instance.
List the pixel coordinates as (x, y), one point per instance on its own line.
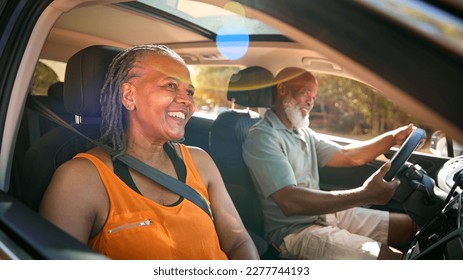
(404, 153)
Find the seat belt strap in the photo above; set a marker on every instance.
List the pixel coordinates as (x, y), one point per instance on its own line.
(161, 178)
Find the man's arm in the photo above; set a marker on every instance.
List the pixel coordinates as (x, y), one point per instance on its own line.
(363, 152)
(294, 200)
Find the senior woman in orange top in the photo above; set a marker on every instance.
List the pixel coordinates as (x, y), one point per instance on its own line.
(146, 101)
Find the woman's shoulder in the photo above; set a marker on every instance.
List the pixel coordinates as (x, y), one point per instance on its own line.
(76, 185)
(84, 163)
(100, 154)
(196, 152)
(200, 158)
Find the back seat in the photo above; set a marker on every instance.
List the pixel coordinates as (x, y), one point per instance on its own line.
(197, 132)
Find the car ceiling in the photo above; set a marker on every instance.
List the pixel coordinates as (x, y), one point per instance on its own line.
(120, 27)
(75, 30)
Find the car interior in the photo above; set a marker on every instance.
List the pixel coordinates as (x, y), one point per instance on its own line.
(85, 73)
(44, 145)
(41, 141)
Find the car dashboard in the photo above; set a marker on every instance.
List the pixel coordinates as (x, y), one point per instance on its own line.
(442, 237)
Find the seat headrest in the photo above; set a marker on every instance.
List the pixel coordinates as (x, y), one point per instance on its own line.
(251, 87)
(84, 78)
(55, 98)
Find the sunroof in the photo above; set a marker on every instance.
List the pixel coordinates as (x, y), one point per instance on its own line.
(230, 19)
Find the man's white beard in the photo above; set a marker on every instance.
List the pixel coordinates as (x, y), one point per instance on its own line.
(293, 112)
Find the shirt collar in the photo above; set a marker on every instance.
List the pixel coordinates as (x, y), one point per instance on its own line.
(274, 121)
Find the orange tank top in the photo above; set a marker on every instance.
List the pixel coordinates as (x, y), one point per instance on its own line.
(139, 228)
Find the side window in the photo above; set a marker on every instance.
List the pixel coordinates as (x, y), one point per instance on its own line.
(441, 145)
(344, 107)
(348, 108)
(211, 84)
(47, 72)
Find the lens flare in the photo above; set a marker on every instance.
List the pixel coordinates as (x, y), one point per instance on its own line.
(233, 37)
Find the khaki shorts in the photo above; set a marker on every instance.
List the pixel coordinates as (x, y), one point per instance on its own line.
(354, 234)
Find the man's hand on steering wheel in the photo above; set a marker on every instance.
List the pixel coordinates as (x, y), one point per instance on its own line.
(400, 134)
(411, 142)
(379, 191)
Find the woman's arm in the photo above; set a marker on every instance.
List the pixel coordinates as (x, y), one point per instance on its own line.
(74, 199)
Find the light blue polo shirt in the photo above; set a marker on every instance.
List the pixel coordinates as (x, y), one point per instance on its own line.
(277, 157)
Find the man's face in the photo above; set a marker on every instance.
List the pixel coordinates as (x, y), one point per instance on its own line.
(299, 100)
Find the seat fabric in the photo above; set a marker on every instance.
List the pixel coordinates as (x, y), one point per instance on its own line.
(228, 132)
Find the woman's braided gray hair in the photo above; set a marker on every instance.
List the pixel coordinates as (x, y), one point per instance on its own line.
(113, 113)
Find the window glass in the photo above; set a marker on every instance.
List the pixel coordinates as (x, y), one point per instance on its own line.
(344, 107)
(46, 73)
(211, 84)
(350, 109)
(424, 18)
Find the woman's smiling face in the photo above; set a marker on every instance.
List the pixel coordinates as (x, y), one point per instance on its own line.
(161, 92)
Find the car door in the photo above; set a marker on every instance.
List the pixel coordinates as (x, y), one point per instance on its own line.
(23, 233)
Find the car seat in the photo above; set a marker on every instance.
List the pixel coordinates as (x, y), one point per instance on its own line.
(34, 125)
(84, 78)
(250, 88)
(56, 102)
(39, 125)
